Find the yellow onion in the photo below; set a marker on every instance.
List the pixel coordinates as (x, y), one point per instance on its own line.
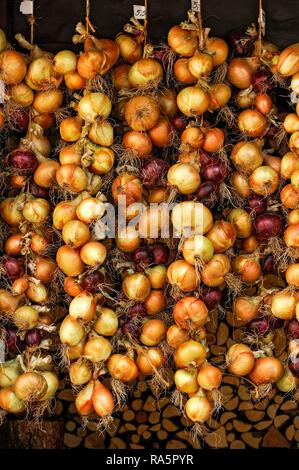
(91, 63)
(120, 77)
(93, 253)
(218, 49)
(247, 155)
(102, 400)
(52, 384)
(45, 174)
(289, 163)
(176, 336)
(213, 273)
(9, 372)
(75, 233)
(83, 400)
(71, 332)
(97, 349)
(136, 287)
(245, 98)
(293, 217)
(72, 178)
(71, 128)
(246, 308)
(65, 62)
(72, 287)
(264, 180)
(8, 302)
(3, 41)
(94, 106)
(26, 317)
(37, 292)
(139, 142)
(144, 72)
(220, 93)
(182, 72)
(44, 269)
(182, 275)
(80, 372)
(294, 142)
(41, 74)
(36, 210)
(291, 275)
(22, 94)
(9, 401)
(128, 239)
(130, 50)
(142, 113)
(106, 323)
(152, 222)
(200, 64)
(283, 305)
(102, 160)
(193, 136)
(222, 235)
(240, 184)
(152, 332)
(190, 313)
(90, 209)
(13, 67)
(288, 61)
(197, 248)
(30, 386)
(74, 81)
(83, 307)
(186, 380)
(193, 101)
(160, 134)
(289, 195)
(70, 154)
(69, 261)
(287, 383)
(240, 359)
(157, 276)
(252, 122)
(247, 267)
(75, 352)
(167, 102)
(122, 368)
(182, 41)
(149, 360)
(101, 133)
(155, 302)
(291, 123)
(266, 370)
(191, 215)
(198, 409)
(240, 72)
(127, 186)
(209, 377)
(189, 353)
(241, 220)
(48, 101)
(184, 177)
(10, 211)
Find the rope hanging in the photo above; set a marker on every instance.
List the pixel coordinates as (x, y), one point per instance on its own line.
(89, 25)
(32, 21)
(145, 22)
(200, 26)
(260, 29)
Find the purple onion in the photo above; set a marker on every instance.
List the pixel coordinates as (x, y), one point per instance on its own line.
(23, 160)
(160, 253)
(242, 43)
(211, 297)
(38, 191)
(261, 81)
(268, 264)
(215, 171)
(91, 281)
(33, 337)
(256, 205)
(13, 342)
(14, 267)
(267, 226)
(153, 172)
(293, 364)
(293, 329)
(260, 326)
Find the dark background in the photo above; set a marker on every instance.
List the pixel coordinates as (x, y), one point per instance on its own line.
(57, 18)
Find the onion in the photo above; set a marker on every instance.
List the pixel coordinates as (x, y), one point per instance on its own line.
(136, 287)
(72, 287)
(240, 184)
(222, 235)
(145, 72)
(65, 62)
(291, 275)
(256, 204)
(214, 139)
(252, 122)
(48, 101)
(13, 67)
(214, 271)
(287, 383)
(90, 209)
(263, 103)
(247, 268)
(13, 342)
(240, 359)
(69, 261)
(283, 305)
(211, 297)
(91, 63)
(14, 244)
(155, 302)
(93, 253)
(30, 386)
(190, 313)
(102, 400)
(23, 160)
(20, 285)
(44, 269)
(153, 171)
(149, 360)
(193, 101)
(264, 180)
(186, 380)
(37, 292)
(33, 337)
(240, 73)
(10, 211)
(246, 308)
(9, 372)
(184, 177)
(293, 364)
(176, 336)
(209, 377)
(75, 233)
(83, 400)
(71, 128)
(109, 46)
(182, 41)
(152, 332)
(74, 81)
(80, 372)
(41, 74)
(289, 195)
(139, 142)
(289, 163)
(120, 77)
(200, 64)
(160, 134)
(293, 217)
(193, 136)
(94, 106)
(91, 281)
(97, 349)
(216, 170)
(197, 247)
(64, 212)
(128, 239)
(46, 121)
(189, 353)
(191, 216)
(130, 50)
(218, 49)
(291, 123)
(122, 368)
(52, 384)
(26, 317)
(157, 276)
(22, 94)
(106, 323)
(267, 225)
(266, 370)
(8, 302)
(45, 174)
(198, 409)
(183, 275)
(167, 102)
(288, 61)
(241, 221)
(182, 73)
(14, 267)
(70, 154)
(72, 178)
(101, 133)
(142, 113)
(3, 41)
(83, 307)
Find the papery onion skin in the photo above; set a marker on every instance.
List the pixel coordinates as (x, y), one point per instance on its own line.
(13, 67)
(176, 336)
(152, 332)
(9, 401)
(182, 41)
(83, 400)
(189, 353)
(239, 73)
(30, 385)
(240, 359)
(288, 61)
(142, 113)
(122, 368)
(190, 313)
(69, 261)
(149, 360)
(136, 287)
(267, 225)
(198, 409)
(193, 101)
(182, 275)
(186, 380)
(209, 377)
(267, 370)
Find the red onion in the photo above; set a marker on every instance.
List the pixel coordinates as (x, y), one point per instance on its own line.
(179, 123)
(205, 158)
(137, 310)
(160, 253)
(153, 172)
(13, 342)
(205, 190)
(294, 365)
(267, 226)
(160, 54)
(211, 297)
(273, 130)
(38, 191)
(242, 44)
(261, 81)
(14, 267)
(275, 323)
(215, 171)
(293, 329)
(259, 326)
(142, 257)
(33, 337)
(268, 264)
(19, 119)
(23, 160)
(256, 204)
(90, 281)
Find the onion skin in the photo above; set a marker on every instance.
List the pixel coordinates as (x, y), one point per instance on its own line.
(13, 67)
(240, 359)
(9, 401)
(185, 380)
(30, 385)
(182, 41)
(266, 370)
(198, 409)
(189, 353)
(240, 73)
(122, 368)
(190, 313)
(209, 377)
(84, 400)
(142, 113)
(193, 101)
(102, 400)
(288, 61)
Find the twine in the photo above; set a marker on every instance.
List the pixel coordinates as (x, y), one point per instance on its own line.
(260, 30)
(89, 25)
(200, 27)
(32, 21)
(145, 22)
